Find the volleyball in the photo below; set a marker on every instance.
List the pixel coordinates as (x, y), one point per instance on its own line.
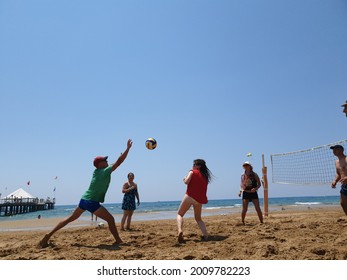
(151, 143)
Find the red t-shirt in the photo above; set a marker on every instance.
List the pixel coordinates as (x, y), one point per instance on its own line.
(197, 187)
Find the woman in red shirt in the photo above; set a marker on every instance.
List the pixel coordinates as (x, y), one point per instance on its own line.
(196, 180)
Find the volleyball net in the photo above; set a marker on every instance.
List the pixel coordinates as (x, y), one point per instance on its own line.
(313, 166)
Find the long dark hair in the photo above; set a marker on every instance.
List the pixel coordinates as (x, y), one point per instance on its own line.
(204, 169)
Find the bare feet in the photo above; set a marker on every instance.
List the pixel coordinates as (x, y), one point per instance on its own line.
(204, 237)
(118, 241)
(44, 242)
(180, 237)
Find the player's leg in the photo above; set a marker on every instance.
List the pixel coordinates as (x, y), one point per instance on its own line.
(343, 202)
(130, 214)
(258, 209)
(197, 215)
(124, 218)
(75, 215)
(245, 203)
(182, 210)
(105, 215)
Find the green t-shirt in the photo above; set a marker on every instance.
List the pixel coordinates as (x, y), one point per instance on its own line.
(99, 184)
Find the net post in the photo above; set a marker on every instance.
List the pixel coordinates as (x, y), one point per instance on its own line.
(265, 186)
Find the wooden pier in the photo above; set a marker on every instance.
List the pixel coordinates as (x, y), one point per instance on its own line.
(15, 206)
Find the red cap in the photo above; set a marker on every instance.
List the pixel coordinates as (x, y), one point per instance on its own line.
(98, 159)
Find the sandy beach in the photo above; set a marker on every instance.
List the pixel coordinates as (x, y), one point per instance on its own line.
(288, 234)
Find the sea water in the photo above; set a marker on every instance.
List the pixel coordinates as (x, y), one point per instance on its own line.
(168, 209)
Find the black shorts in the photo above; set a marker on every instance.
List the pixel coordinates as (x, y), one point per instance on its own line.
(250, 195)
(343, 189)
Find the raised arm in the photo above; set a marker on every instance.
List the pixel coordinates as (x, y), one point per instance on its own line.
(187, 179)
(123, 156)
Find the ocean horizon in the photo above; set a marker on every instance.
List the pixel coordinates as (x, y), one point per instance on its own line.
(168, 209)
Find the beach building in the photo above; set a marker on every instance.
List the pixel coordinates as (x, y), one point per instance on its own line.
(20, 202)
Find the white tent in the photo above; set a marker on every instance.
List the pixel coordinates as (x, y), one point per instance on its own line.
(20, 193)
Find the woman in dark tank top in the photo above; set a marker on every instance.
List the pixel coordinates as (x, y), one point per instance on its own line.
(250, 183)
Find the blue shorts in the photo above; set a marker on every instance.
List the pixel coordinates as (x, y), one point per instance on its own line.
(343, 189)
(89, 205)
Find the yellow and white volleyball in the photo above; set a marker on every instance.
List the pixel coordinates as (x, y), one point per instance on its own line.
(249, 154)
(101, 225)
(151, 143)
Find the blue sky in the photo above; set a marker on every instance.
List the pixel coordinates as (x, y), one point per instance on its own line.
(208, 79)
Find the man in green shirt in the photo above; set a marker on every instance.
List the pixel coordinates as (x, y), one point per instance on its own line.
(95, 195)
